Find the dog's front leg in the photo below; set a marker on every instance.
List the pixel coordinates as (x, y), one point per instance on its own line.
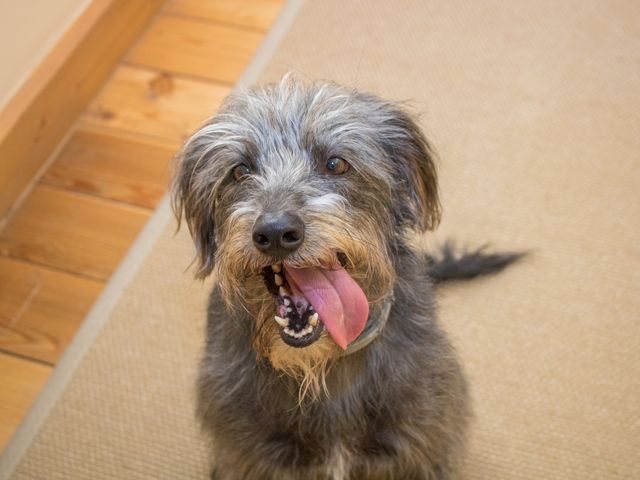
(284, 462)
(307, 474)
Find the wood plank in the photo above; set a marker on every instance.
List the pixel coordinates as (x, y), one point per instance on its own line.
(147, 102)
(71, 232)
(113, 165)
(192, 47)
(34, 130)
(22, 380)
(41, 309)
(258, 14)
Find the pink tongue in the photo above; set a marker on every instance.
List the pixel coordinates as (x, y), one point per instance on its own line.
(341, 303)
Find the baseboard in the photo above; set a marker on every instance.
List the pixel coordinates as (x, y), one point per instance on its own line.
(42, 111)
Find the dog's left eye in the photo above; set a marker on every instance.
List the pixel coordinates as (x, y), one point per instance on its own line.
(336, 166)
(240, 172)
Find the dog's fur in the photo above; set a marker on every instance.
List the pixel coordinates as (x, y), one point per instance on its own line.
(397, 409)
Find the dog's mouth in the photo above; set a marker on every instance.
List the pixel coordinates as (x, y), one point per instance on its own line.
(310, 299)
(300, 324)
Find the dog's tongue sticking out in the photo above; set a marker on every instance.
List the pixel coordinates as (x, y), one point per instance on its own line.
(341, 303)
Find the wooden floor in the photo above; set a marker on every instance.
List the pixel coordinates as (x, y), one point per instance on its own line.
(60, 247)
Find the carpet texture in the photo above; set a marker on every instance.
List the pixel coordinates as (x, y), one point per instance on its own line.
(534, 109)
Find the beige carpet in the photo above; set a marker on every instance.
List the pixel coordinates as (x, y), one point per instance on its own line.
(534, 108)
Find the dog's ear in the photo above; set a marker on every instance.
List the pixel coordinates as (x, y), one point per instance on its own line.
(193, 198)
(415, 158)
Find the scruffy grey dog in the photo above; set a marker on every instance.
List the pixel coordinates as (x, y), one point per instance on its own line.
(324, 359)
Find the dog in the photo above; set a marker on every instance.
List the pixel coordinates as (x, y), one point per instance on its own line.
(323, 358)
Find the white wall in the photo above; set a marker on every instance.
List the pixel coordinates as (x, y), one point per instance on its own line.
(28, 30)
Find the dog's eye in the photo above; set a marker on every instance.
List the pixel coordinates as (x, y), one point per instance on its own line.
(240, 172)
(336, 166)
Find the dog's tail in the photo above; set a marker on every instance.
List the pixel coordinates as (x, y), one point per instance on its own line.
(450, 264)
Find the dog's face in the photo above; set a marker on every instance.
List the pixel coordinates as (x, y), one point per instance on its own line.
(297, 197)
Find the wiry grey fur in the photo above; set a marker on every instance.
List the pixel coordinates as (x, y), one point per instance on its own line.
(397, 409)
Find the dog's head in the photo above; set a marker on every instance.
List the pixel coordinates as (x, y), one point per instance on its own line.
(297, 197)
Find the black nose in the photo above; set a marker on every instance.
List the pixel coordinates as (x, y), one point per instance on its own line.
(278, 233)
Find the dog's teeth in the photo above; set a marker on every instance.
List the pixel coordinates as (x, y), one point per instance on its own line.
(283, 322)
(277, 268)
(313, 320)
(289, 332)
(287, 302)
(283, 291)
(308, 330)
(289, 309)
(278, 279)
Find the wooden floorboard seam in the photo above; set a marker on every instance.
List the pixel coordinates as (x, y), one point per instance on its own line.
(94, 196)
(27, 357)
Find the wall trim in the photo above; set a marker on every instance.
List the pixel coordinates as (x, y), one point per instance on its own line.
(45, 107)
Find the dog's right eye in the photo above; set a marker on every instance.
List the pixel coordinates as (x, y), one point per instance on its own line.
(240, 172)
(336, 166)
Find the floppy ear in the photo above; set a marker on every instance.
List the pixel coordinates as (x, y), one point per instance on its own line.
(416, 159)
(193, 198)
